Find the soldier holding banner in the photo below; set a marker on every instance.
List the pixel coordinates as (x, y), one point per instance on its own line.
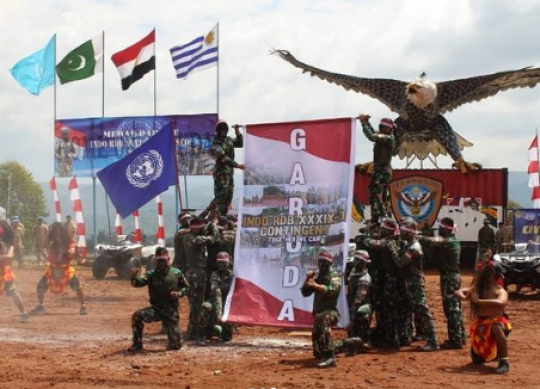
(223, 151)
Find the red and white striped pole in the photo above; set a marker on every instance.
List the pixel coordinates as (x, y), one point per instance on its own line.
(118, 225)
(160, 235)
(79, 219)
(137, 235)
(52, 185)
(534, 172)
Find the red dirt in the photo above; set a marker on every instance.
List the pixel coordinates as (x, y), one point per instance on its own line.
(62, 349)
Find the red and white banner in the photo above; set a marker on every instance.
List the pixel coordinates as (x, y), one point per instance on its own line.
(160, 234)
(79, 218)
(534, 172)
(296, 202)
(57, 209)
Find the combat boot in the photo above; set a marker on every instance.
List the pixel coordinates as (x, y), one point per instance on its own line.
(327, 362)
(352, 345)
(504, 366)
(135, 347)
(428, 347)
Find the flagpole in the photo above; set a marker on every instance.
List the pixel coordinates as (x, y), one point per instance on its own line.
(54, 102)
(94, 205)
(217, 87)
(176, 166)
(155, 80)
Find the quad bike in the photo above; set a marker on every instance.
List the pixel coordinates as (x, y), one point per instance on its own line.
(522, 266)
(123, 258)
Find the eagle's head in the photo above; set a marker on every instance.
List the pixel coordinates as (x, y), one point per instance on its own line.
(421, 92)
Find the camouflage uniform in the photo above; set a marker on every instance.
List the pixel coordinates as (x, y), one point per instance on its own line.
(379, 191)
(18, 245)
(196, 274)
(325, 313)
(41, 237)
(486, 240)
(64, 152)
(359, 300)
(223, 151)
(180, 260)
(212, 308)
(162, 306)
(448, 251)
(387, 288)
(409, 259)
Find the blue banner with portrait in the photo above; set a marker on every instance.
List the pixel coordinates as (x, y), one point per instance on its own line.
(82, 147)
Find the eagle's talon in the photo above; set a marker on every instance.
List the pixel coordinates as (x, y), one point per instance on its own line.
(466, 167)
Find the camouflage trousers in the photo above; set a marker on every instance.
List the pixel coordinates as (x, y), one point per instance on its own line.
(18, 255)
(321, 335)
(452, 308)
(209, 324)
(388, 328)
(416, 303)
(169, 318)
(360, 320)
(42, 254)
(197, 279)
(379, 193)
(223, 192)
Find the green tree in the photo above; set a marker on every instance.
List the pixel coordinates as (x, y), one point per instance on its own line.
(26, 198)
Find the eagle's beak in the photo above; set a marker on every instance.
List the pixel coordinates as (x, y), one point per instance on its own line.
(413, 88)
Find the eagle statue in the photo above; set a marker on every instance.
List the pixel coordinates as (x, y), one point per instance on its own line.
(421, 128)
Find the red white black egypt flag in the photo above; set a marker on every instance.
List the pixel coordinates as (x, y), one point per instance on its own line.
(137, 60)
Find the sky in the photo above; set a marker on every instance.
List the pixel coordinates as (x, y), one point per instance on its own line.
(448, 39)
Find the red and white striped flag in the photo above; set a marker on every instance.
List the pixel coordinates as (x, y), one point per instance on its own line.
(534, 171)
(57, 210)
(79, 218)
(137, 235)
(118, 225)
(160, 234)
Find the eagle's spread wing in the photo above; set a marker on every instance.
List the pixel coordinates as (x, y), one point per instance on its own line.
(409, 146)
(389, 92)
(452, 94)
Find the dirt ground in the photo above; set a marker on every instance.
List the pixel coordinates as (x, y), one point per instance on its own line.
(61, 349)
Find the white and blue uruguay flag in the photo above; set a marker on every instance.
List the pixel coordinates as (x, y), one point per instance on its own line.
(141, 175)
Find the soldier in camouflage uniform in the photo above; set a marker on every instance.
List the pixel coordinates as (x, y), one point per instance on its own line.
(486, 239)
(166, 285)
(196, 251)
(448, 250)
(64, 152)
(407, 255)
(222, 150)
(210, 323)
(18, 241)
(387, 279)
(180, 261)
(385, 141)
(359, 297)
(326, 284)
(41, 238)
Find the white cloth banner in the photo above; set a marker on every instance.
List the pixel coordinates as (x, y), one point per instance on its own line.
(296, 201)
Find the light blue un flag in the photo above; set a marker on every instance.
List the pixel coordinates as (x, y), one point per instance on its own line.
(143, 174)
(36, 72)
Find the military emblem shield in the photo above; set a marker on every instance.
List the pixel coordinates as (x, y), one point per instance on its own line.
(418, 197)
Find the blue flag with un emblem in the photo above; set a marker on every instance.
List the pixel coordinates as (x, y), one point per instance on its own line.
(143, 174)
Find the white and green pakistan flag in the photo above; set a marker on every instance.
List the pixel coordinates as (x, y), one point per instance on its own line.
(82, 62)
